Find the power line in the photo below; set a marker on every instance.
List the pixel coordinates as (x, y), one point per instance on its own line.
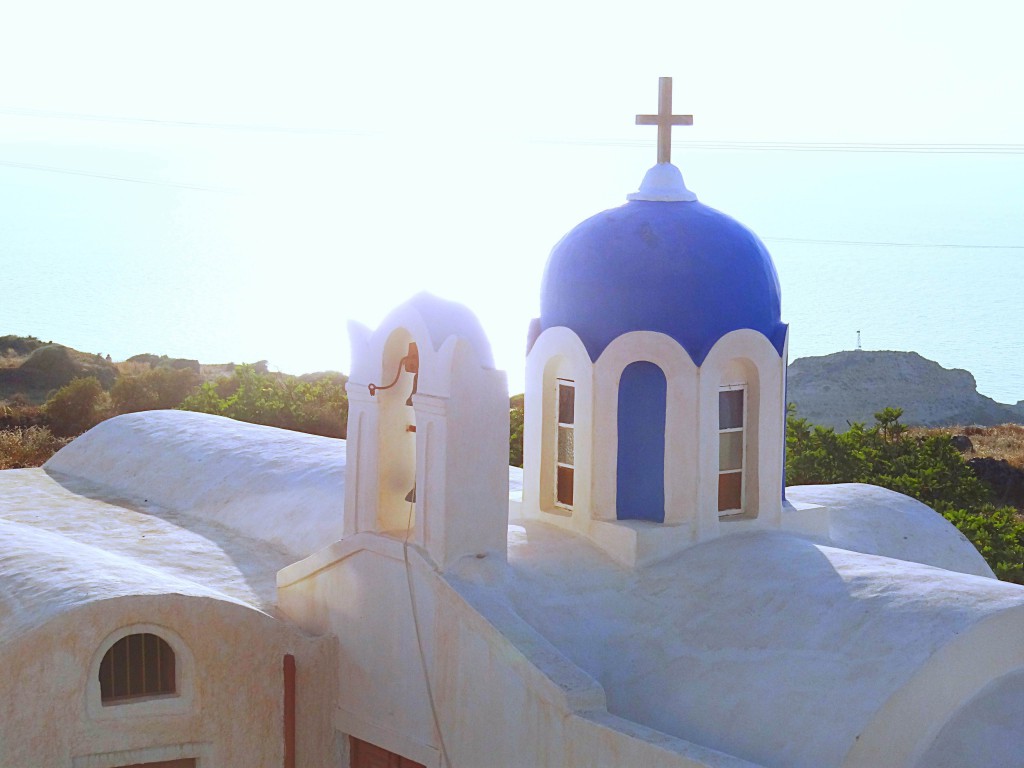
(155, 122)
(107, 176)
(808, 146)
(794, 146)
(764, 146)
(883, 243)
(799, 240)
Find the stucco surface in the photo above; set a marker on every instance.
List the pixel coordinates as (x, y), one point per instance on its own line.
(228, 711)
(866, 518)
(285, 488)
(762, 645)
(986, 731)
(88, 550)
(443, 319)
(515, 482)
(65, 542)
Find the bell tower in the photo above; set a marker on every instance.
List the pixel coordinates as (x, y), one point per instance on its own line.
(428, 433)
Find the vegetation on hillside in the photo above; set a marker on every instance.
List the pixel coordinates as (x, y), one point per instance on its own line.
(22, 447)
(516, 419)
(153, 389)
(76, 407)
(318, 406)
(30, 433)
(13, 349)
(1005, 441)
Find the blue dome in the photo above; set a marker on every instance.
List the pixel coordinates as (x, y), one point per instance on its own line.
(679, 268)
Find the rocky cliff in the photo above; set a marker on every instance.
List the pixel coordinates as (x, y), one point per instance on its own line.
(835, 389)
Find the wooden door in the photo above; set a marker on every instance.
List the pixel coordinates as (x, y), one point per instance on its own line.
(367, 755)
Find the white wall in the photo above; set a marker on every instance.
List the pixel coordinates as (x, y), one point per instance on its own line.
(231, 712)
(502, 695)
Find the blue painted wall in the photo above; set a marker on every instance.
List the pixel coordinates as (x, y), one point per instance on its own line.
(641, 449)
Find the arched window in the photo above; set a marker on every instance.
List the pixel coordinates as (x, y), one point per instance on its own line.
(137, 666)
(565, 454)
(732, 449)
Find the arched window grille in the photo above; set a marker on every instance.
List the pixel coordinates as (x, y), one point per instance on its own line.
(137, 666)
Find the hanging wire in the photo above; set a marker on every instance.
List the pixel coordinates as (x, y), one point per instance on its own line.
(419, 640)
(108, 176)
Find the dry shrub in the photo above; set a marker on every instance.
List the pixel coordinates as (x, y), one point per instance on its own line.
(19, 412)
(1003, 442)
(28, 447)
(131, 368)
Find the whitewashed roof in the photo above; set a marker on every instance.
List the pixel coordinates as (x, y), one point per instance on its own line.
(281, 487)
(764, 645)
(65, 544)
(164, 503)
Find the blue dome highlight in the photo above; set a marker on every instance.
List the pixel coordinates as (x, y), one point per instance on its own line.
(678, 268)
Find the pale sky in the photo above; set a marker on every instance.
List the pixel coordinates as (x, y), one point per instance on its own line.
(268, 171)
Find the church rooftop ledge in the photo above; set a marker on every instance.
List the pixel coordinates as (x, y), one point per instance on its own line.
(381, 543)
(637, 543)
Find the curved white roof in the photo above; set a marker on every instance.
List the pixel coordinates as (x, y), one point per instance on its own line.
(45, 574)
(164, 503)
(764, 645)
(877, 521)
(280, 487)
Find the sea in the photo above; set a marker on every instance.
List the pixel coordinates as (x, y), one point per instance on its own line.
(895, 250)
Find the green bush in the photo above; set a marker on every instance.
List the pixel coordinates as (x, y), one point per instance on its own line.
(318, 406)
(154, 389)
(77, 406)
(516, 418)
(998, 533)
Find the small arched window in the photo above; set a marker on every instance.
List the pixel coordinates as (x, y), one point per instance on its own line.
(732, 449)
(565, 453)
(137, 666)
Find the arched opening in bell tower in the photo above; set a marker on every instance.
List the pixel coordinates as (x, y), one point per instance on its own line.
(397, 425)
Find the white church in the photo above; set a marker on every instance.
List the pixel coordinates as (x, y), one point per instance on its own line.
(180, 590)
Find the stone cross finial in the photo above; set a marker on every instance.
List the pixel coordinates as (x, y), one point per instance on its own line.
(664, 119)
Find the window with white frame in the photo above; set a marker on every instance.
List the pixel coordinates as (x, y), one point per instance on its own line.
(565, 449)
(731, 449)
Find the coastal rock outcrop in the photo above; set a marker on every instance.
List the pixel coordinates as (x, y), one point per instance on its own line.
(838, 389)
